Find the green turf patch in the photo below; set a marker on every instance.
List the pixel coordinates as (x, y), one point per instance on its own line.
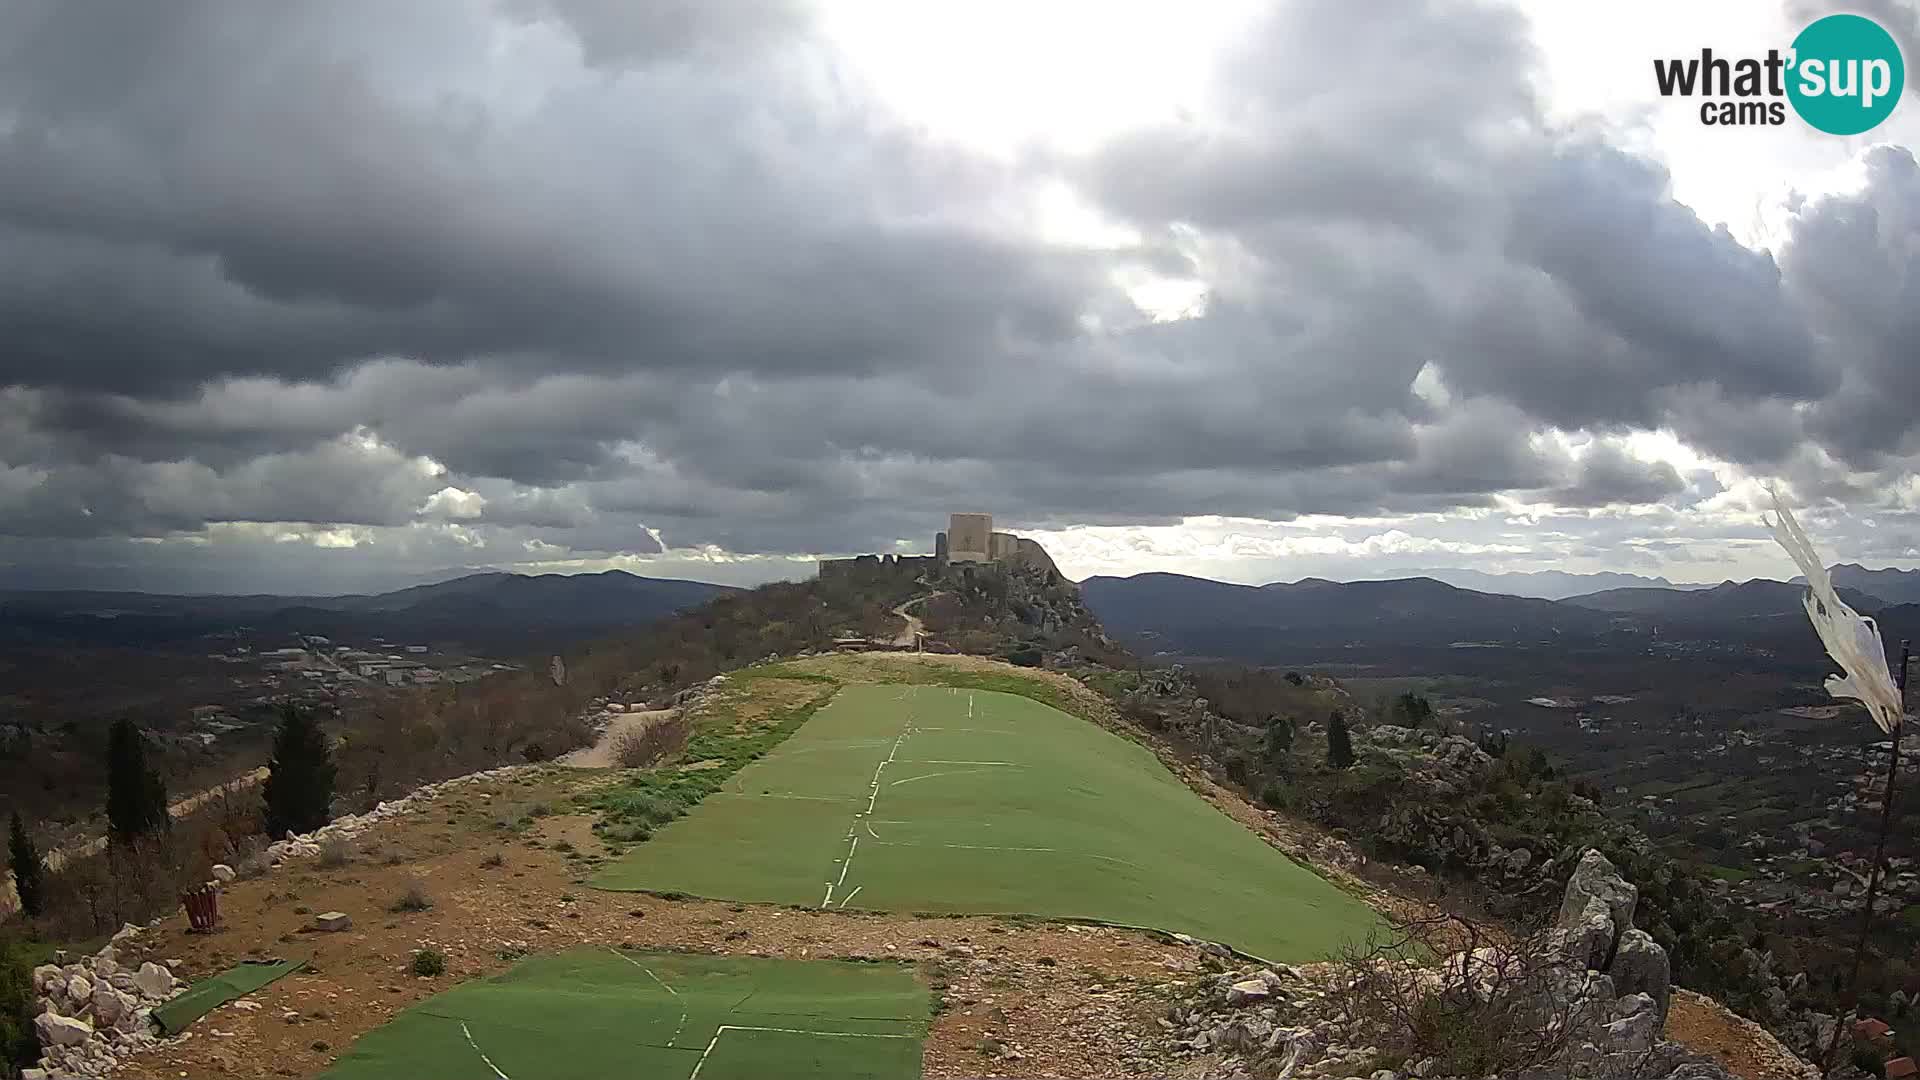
(592, 1013)
(209, 994)
(938, 799)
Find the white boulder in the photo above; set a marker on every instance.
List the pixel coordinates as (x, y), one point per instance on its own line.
(56, 1030)
(153, 980)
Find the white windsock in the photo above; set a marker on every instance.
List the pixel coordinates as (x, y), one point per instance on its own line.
(1852, 639)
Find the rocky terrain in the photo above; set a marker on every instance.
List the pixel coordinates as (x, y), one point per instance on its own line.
(1590, 998)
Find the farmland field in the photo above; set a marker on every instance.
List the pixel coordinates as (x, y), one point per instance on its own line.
(595, 1012)
(943, 799)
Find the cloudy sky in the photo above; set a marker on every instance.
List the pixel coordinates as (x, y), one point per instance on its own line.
(313, 298)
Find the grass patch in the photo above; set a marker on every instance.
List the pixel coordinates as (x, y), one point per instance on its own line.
(631, 810)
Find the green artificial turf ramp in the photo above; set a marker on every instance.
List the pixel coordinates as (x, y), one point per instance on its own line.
(209, 994)
(590, 1013)
(926, 798)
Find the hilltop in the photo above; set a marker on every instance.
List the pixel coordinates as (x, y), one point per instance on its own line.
(518, 861)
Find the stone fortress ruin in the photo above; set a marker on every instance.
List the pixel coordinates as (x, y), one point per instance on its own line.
(968, 541)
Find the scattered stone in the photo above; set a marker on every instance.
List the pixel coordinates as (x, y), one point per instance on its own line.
(223, 873)
(332, 922)
(1248, 992)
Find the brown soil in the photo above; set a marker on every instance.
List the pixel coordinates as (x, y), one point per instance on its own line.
(1020, 999)
(1744, 1047)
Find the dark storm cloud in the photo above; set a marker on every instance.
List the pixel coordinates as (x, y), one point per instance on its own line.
(1607, 475)
(1855, 265)
(446, 284)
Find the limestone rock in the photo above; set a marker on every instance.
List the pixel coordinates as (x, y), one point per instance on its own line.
(1596, 878)
(153, 981)
(58, 1030)
(1585, 937)
(1248, 992)
(109, 1005)
(1640, 966)
(332, 921)
(222, 873)
(1637, 1028)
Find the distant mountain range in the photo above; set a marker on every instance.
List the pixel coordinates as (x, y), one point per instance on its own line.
(1543, 584)
(1212, 617)
(1199, 617)
(1759, 598)
(1893, 586)
(485, 610)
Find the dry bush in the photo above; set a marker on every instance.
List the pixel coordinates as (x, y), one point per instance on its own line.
(1491, 1006)
(649, 745)
(415, 898)
(335, 852)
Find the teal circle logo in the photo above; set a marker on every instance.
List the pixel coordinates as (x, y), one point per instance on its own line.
(1847, 74)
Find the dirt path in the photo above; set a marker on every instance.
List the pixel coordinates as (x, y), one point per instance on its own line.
(910, 636)
(600, 754)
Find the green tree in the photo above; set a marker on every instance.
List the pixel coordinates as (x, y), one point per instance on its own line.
(25, 862)
(299, 787)
(19, 1043)
(1412, 710)
(1279, 742)
(136, 798)
(1339, 742)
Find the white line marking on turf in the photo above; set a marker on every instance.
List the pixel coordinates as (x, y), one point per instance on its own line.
(931, 775)
(482, 1053)
(646, 969)
(677, 1031)
(724, 1028)
(851, 895)
(873, 794)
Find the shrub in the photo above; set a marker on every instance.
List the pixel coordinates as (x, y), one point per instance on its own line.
(414, 899)
(1237, 770)
(1274, 794)
(647, 746)
(429, 962)
(19, 1043)
(335, 852)
(494, 861)
(1493, 1007)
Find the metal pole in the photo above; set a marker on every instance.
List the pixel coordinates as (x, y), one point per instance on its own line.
(1879, 856)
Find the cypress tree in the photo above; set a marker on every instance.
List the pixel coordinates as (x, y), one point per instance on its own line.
(25, 863)
(1279, 739)
(299, 788)
(136, 798)
(1339, 742)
